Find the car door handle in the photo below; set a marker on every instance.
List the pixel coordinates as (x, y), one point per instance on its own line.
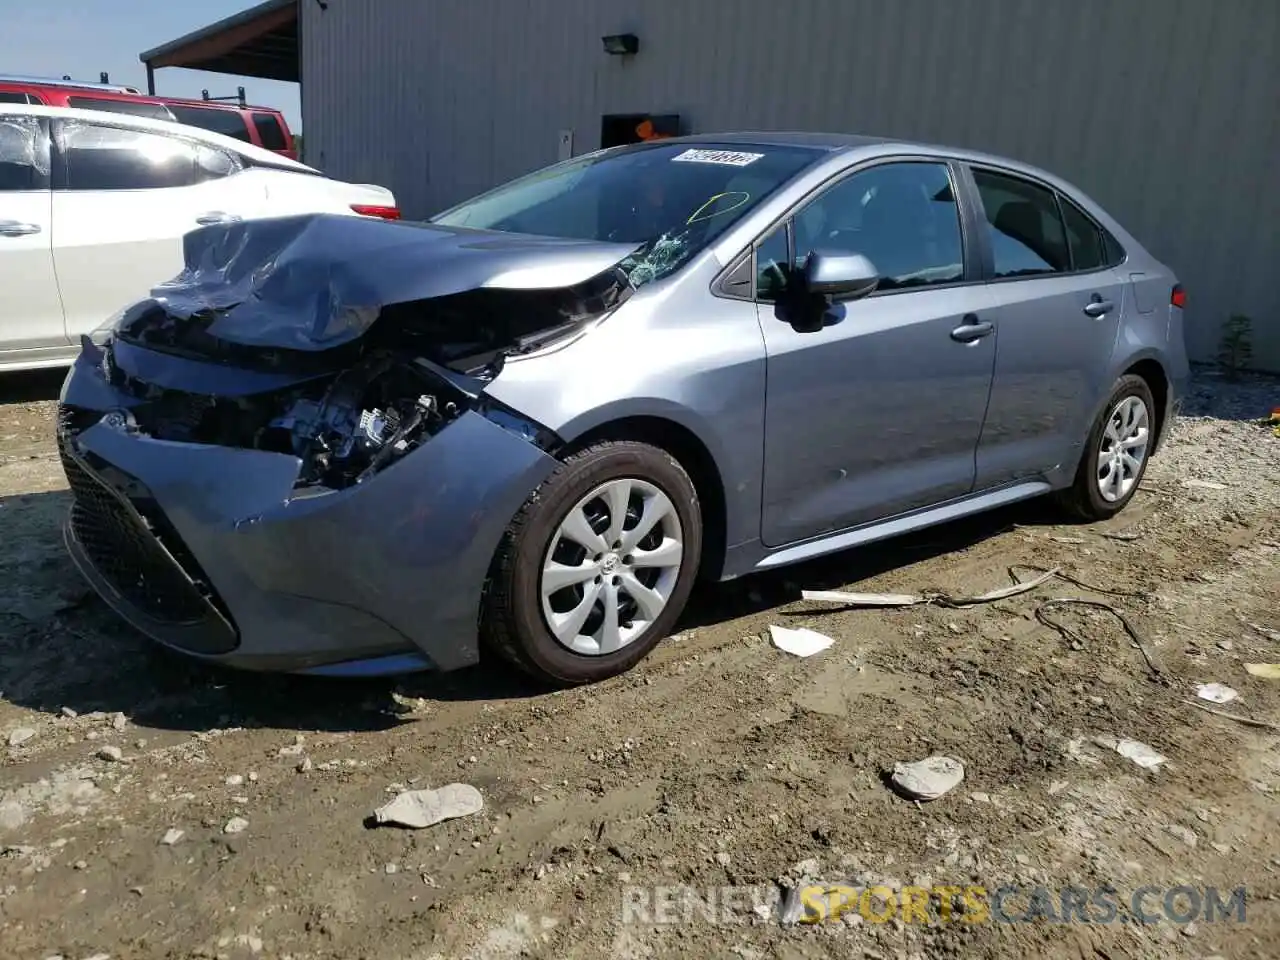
(1097, 307)
(972, 330)
(14, 228)
(215, 217)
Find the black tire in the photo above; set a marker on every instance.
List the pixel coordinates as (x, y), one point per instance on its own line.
(511, 620)
(1082, 500)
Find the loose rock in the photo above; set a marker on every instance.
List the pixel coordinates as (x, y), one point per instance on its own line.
(20, 736)
(927, 779)
(236, 825)
(1141, 754)
(110, 754)
(172, 837)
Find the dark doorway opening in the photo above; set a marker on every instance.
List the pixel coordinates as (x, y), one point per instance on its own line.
(618, 129)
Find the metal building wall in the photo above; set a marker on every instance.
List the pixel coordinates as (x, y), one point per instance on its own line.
(1166, 111)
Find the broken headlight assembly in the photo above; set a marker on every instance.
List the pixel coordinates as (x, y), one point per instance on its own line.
(344, 427)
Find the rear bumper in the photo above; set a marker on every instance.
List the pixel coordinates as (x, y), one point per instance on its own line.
(211, 551)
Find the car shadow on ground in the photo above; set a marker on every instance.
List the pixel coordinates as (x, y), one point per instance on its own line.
(716, 603)
(62, 647)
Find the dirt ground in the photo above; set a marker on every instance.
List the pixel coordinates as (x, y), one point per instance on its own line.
(719, 762)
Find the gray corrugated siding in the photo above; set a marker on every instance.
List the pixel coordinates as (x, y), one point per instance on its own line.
(1166, 111)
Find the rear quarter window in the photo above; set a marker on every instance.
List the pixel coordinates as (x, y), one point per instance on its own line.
(270, 132)
(12, 96)
(1116, 254)
(229, 123)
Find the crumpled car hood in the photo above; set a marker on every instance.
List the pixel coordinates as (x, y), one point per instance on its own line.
(314, 282)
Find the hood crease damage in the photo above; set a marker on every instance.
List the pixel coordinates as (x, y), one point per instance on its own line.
(348, 342)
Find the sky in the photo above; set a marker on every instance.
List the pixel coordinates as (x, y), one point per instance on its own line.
(83, 38)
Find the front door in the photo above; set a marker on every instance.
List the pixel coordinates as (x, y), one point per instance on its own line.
(30, 307)
(878, 412)
(1058, 304)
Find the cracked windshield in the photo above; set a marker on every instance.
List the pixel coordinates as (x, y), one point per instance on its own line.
(672, 200)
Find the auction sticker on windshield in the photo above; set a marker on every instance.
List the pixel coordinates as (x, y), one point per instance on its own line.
(732, 158)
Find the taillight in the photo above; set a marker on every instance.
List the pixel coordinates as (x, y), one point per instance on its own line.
(1179, 296)
(383, 213)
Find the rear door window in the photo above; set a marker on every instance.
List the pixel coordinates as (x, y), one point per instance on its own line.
(132, 108)
(269, 132)
(229, 123)
(111, 158)
(1023, 224)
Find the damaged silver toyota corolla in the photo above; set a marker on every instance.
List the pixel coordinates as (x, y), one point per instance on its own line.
(351, 447)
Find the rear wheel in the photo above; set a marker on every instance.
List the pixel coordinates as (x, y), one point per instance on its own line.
(1116, 453)
(597, 566)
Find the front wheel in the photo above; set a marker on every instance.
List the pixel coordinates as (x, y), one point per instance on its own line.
(597, 565)
(1116, 453)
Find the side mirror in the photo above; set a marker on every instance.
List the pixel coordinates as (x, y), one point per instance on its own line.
(840, 276)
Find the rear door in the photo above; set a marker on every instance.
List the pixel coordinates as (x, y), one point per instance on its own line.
(122, 201)
(1057, 307)
(31, 312)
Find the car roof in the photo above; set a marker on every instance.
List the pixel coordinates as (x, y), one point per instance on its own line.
(254, 153)
(868, 146)
(212, 104)
(831, 142)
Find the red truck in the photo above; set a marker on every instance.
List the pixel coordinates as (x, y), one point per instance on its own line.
(262, 126)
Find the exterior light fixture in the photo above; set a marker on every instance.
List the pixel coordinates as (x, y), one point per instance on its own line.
(620, 44)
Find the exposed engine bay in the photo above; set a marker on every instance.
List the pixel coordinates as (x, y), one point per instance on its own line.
(366, 419)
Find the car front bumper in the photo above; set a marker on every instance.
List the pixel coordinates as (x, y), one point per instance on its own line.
(210, 550)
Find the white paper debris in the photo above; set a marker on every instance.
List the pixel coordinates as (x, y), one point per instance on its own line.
(422, 808)
(801, 643)
(928, 779)
(1216, 692)
(1135, 750)
(1264, 671)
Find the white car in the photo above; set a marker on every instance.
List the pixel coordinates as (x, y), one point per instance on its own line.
(94, 206)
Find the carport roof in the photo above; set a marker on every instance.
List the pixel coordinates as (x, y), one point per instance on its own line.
(259, 42)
